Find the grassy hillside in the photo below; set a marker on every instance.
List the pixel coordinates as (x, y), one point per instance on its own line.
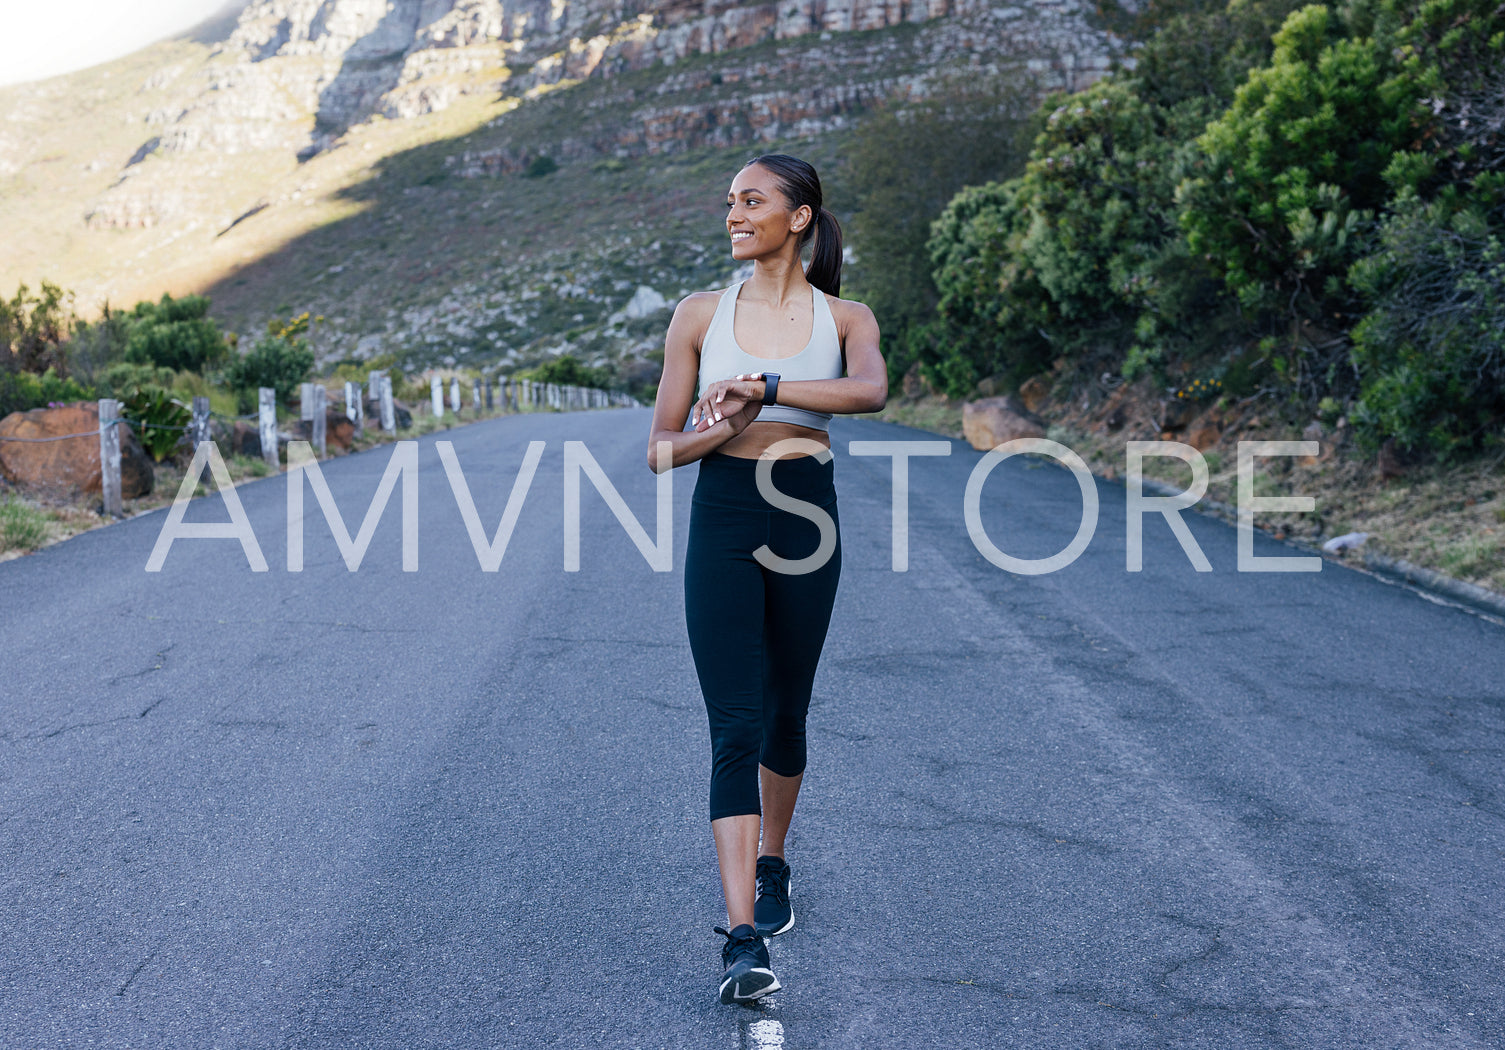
(421, 237)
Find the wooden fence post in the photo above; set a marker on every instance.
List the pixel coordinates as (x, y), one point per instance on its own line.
(306, 400)
(373, 383)
(487, 381)
(319, 418)
(475, 395)
(436, 396)
(109, 456)
(267, 425)
(454, 394)
(388, 410)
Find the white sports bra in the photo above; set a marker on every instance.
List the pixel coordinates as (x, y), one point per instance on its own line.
(722, 358)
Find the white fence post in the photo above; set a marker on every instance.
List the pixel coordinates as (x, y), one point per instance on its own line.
(306, 400)
(475, 395)
(355, 409)
(109, 456)
(454, 394)
(267, 424)
(198, 429)
(388, 410)
(436, 396)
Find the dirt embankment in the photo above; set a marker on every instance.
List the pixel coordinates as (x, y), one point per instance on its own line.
(1448, 517)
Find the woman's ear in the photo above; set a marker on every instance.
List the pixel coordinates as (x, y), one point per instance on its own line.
(802, 218)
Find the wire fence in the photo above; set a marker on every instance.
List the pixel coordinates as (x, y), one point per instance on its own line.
(182, 429)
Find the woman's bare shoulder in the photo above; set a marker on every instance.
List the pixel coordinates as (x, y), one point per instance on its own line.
(700, 302)
(849, 311)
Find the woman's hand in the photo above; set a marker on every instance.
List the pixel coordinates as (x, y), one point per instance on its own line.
(737, 401)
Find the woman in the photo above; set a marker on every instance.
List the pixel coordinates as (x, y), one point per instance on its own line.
(765, 361)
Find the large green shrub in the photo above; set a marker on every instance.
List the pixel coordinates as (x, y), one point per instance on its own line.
(1432, 349)
(1294, 170)
(174, 333)
(281, 360)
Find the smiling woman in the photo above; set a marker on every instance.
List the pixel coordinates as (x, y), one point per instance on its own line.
(760, 368)
(47, 40)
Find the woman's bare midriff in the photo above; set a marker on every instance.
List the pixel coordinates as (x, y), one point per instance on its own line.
(758, 435)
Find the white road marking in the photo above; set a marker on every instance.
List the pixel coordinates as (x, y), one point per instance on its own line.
(766, 1034)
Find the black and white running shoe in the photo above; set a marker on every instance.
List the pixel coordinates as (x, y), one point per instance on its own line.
(772, 913)
(748, 975)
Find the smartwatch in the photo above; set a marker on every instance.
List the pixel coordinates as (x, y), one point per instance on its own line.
(770, 387)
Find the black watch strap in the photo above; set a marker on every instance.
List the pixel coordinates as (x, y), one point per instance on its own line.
(770, 387)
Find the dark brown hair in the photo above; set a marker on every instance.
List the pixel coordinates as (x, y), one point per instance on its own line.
(800, 185)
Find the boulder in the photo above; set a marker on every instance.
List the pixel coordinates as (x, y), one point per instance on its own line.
(1034, 391)
(245, 439)
(1394, 459)
(73, 462)
(1176, 412)
(339, 430)
(400, 413)
(991, 421)
(1204, 436)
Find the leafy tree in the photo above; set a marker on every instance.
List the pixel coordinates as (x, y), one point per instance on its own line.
(1295, 169)
(33, 329)
(904, 164)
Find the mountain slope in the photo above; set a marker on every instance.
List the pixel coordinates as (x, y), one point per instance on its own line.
(363, 159)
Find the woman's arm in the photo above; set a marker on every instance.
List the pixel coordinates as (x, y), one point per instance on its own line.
(863, 389)
(676, 391)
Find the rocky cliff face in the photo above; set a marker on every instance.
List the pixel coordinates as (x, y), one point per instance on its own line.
(344, 61)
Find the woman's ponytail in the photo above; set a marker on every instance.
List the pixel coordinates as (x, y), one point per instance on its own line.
(825, 260)
(801, 187)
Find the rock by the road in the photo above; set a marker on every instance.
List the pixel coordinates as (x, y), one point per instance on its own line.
(71, 463)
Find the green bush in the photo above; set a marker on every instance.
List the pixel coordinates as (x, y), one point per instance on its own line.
(1432, 348)
(1294, 171)
(123, 376)
(21, 391)
(280, 360)
(540, 166)
(565, 370)
(174, 333)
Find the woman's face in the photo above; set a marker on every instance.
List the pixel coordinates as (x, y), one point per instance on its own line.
(758, 217)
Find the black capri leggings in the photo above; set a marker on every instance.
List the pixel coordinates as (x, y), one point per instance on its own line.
(756, 633)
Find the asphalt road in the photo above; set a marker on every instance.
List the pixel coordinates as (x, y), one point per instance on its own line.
(456, 808)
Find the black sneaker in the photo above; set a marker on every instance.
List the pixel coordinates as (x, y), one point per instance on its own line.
(748, 975)
(772, 914)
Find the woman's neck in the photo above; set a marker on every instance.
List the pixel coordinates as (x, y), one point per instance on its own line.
(780, 281)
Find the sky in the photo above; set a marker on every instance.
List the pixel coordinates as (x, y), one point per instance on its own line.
(42, 38)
